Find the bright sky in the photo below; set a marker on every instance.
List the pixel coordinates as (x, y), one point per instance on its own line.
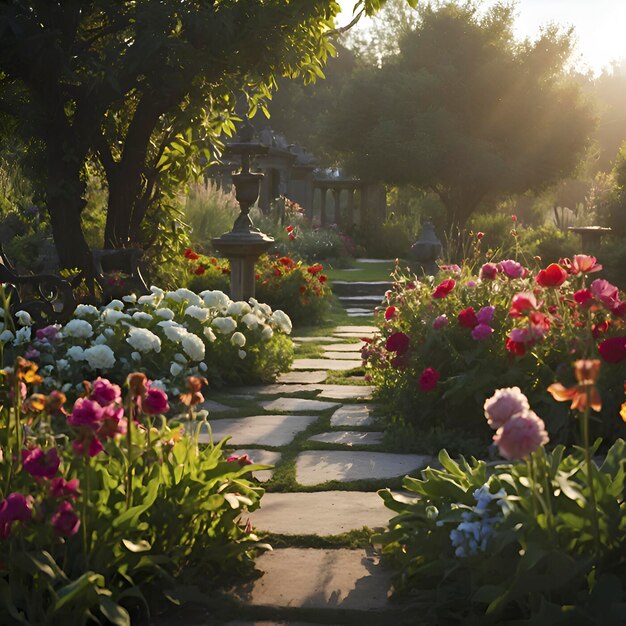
(600, 26)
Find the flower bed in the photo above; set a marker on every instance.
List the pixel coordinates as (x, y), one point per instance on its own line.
(295, 287)
(539, 540)
(445, 343)
(107, 512)
(167, 335)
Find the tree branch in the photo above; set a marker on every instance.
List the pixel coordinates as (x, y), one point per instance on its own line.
(343, 29)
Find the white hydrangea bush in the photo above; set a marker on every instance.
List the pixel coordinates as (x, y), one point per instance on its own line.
(169, 335)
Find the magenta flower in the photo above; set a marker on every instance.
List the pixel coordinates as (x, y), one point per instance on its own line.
(32, 353)
(60, 488)
(503, 405)
(87, 413)
(398, 343)
(41, 464)
(113, 422)
(65, 522)
(470, 284)
(613, 350)
(48, 333)
(243, 460)
(105, 392)
(16, 507)
(607, 293)
(522, 304)
(155, 402)
(485, 315)
(454, 268)
(520, 436)
(428, 379)
(87, 444)
(488, 271)
(481, 331)
(512, 269)
(440, 321)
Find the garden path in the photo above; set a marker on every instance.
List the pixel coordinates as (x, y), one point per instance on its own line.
(321, 504)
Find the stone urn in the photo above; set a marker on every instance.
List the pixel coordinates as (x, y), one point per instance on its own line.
(426, 250)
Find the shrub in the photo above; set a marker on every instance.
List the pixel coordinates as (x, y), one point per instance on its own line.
(448, 342)
(104, 516)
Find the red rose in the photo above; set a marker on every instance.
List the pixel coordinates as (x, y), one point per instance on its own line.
(444, 288)
(398, 343)
(613, 350)
(428, 379)
(553, 276)
(191, 255)
(390, 312)
(467, 318)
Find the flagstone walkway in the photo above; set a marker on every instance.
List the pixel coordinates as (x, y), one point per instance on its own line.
(329, 459)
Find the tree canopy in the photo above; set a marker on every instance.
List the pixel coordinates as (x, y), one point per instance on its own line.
(465, 111)
(143, 90)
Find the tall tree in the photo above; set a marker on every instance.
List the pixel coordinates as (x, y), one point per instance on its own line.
(143, 88)
(465, 111)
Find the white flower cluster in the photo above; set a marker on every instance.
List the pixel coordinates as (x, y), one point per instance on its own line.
(473, 533)
(179, 333)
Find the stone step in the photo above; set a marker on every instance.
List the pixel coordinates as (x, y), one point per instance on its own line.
(347, 288)
(349, 438)
(326, 364)
(374, 299)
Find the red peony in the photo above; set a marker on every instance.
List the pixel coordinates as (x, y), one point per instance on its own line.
(467, 318)
(398, 343)
(428, 379)
(553, 276)
(444, 288)
(613, 350)
(390, 312)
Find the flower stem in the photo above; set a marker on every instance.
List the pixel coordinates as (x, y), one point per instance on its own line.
(595, 526)
(129, 444)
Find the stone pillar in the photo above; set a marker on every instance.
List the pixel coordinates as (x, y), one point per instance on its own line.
(323, 191)
(350, 209)
(338, 216)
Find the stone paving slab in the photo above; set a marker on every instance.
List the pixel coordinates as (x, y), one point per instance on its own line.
(301, 377)
(320, 339)
(319, 579)
(297, 405)
(350, 438)
(262, 457)
(325, 364)
(322, 513)
(314, 467)
(340, 355)
(275, 389)
(262, 430)
(353, 415)
(353, 335)
(213, 406)
(345, 347)
(346, 392)
(355, 329)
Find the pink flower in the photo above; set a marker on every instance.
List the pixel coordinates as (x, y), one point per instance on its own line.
(41, 464)
(520, 436)
(454, 268)
(440, 321)
(60, 488)
(488, 271)
(522, 304)
(16, 507)
(512, 269)
(87, 444)
(485, 315)
(155, 402)
(428, 379)
(584, 264)
(243, 460)
(390, 313)
(481, 331)
(444, 288)
(607, 293)
(467, 318)
(113, 422)
(65, 522)
(503, 405)
(105, 392)
(398, 343)
(32, 353)
(86, 413)
(470, 284)
(48, 333)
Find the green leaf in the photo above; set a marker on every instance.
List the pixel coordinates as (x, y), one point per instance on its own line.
(114, 612)
(140, 546)
(73, 590)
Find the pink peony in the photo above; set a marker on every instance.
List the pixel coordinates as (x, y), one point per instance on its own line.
(583, 263)
(520, 436)
(512, 269)
(65, 522)
(488, 271)
(503, 405)
(105, 392)
(428, 379)
(485, 315)
(16, 507)
(41, 464)
(60, 488)
(155, 402)
(440, 321)
(481, 331)
(86, 413)
(113, 422)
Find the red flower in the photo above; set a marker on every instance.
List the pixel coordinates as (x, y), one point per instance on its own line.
(583, 297)
(292, 236)
(302, 289)
(518, 348)
(199, 270)
(600, 328)
(428, 379)
(444, 288)
(315, 268)
(390, 312)
(323, 278)
(60, 488)
(613, 350)
(479, 235)
(553, 276)
(289, 229)
(467, 318)
(514, 218)
(398, 343)
(191, 255)
(522, 304)
(41, 464)
(287, 262)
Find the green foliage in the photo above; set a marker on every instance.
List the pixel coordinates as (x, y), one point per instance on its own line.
(464, 111)
(174, 534)
(539, 566)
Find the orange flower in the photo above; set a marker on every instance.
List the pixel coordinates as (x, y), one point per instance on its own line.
(35, 403)
(194, 396)
(584, 394)
(137, 383)
(26, 371)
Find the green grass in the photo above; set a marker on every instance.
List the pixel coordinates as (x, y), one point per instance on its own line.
(364, 272)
